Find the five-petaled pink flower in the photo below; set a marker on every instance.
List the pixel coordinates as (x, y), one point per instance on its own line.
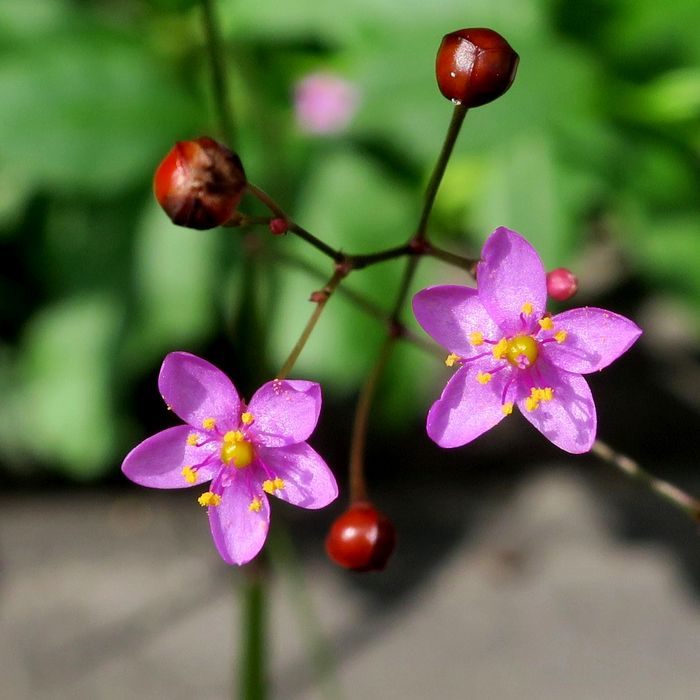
(246, 452)
(511, 352)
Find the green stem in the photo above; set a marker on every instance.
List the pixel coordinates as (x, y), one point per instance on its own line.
(358, 486)
(218, 72)
(670, 493)
(460, 111)
(252, 678)
(321, 298)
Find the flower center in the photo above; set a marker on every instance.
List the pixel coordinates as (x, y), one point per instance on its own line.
(237, 449)
(522, 351)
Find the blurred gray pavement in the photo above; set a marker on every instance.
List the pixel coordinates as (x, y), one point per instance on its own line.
(109, 597)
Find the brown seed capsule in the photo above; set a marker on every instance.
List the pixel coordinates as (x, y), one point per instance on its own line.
(200, 183)
(361, 539)
(475, 66)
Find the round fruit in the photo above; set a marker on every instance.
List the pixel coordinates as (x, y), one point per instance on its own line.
(361, 539)
(475, 66)
(200, 183)
(561, 284)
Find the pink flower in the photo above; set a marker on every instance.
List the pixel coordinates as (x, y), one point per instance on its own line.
(511, 352)
(246, 452)
(324, 103)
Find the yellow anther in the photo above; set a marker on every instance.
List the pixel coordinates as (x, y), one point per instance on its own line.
(531, 403)
(500, 349)
(233, 436)
(279, 483)
(560, 336)
(451, 359)
(193, 439)
(209, 423)
(546, 394)
(272, 485)
(255, 505)
(507, 408)
(189, 474)
(247, 418)
(483, 377)
(476, 338)
(546, 323)
(209, 499)
(527, 308)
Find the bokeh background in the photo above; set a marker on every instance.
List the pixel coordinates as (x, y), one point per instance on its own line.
(593, 155)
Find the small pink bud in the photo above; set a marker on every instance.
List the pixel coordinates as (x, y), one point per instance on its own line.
(561, 284)
(279, 226)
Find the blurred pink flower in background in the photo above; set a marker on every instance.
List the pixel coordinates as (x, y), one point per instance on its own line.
(325, 103)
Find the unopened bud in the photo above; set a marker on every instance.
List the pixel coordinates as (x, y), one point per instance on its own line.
(561, 284)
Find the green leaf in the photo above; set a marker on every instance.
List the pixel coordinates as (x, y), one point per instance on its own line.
(63, 407)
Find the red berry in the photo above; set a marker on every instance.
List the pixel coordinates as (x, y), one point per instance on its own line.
(200, 183)
(279, 226)
(561, 284)
(475, 66)
(361, 539)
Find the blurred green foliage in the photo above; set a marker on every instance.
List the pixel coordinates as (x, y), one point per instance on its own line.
(598, 138)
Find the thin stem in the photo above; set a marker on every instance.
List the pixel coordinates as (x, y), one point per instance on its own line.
(252, 679)
(677, 497)
(358, 262)
(358, 486)
(467, 264)
(302, 233)
(218, 72)
(460, 111)
(321, 298)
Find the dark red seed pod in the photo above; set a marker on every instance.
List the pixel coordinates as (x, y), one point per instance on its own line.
(200, 183)
(361, 539)
(475, 66)
(561, 284)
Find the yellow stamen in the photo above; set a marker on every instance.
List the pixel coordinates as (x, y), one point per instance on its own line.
(255, 505)
(247, 418)
(531, 403)
(189, 474)
(272, 485)
(560, 336)
(209, 499)
(193, 439)
(546, 323)
(209, 423)
(500, 349)
(451, 359)
(527, 308)
(476, 338)
(483, 377)
(233, 436)
(507, 408)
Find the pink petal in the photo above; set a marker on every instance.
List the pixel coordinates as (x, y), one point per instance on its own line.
(194, 389)
(467, 408)
(239, 532)
(510, 275)
(284, 412)
(309, 483)
(595, 337)
(569, 419)
(158, 461)
(450, 313)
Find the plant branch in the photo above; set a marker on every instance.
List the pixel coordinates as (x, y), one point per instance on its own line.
(218, 72)
(670, 493)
